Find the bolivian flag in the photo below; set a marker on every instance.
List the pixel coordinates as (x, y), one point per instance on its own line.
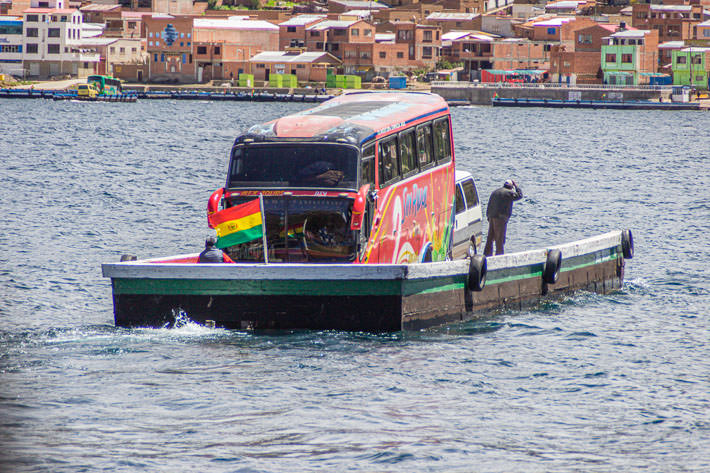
(238, 224)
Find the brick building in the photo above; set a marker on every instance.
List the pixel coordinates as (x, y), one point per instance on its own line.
(309, 66)
(473, 49)
(577, 59)
(169, 48)
(293, 32)
(518, 53)
(672, 22)
(222, 48)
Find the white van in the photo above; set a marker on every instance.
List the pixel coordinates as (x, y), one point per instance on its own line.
(468, 227)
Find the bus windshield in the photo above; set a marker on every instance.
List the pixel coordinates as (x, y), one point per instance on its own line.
(308, 165)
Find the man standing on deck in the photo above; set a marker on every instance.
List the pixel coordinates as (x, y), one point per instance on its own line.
(499, 210)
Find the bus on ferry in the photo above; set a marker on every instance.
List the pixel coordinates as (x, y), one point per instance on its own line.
(366, 177)
(106, 85)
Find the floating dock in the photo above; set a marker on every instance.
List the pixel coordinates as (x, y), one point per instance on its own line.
(359, 297)
(595, 104)
(167, 95)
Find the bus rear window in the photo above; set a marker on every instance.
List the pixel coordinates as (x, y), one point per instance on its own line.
(294, 165)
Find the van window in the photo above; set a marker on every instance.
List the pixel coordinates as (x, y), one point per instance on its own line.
(389, 163)
(460, 204)
(367, 166)
(442, 140)
(469, 190)
(426, 156)
(406, 152)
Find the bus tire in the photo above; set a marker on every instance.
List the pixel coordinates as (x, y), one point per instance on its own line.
(551, 271)
(627, 244)
(477, 272)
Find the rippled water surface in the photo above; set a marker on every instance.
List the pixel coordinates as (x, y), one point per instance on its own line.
(588, 383)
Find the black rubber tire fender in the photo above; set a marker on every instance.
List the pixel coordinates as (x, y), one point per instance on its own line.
(627, 244)
(477, 272)
(553, 263)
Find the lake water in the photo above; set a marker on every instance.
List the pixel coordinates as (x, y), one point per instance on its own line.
(588, 383)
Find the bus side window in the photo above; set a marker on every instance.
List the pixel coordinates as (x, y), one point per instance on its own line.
(424, 146)
(442, 140)
(460, 204)
(389, 164)
(469, 189)
(406, 153)
(367, 167)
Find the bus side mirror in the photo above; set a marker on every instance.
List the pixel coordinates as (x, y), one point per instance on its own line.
(213, 205)
(359, 208)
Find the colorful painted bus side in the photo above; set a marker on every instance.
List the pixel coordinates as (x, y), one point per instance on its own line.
(106, 85)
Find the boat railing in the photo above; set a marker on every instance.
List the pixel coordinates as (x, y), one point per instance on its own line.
(545, 85)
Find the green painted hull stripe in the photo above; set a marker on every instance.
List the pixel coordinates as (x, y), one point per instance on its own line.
(341, 288)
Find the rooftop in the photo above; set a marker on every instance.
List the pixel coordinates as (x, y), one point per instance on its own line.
(234, 23)
(326, 24)
(301, 20)
(452, 16)
(285, 56)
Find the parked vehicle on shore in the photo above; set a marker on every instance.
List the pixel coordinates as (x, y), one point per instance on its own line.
(87, 91)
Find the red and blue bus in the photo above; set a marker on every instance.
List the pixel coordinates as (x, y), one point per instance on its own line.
(366, 177)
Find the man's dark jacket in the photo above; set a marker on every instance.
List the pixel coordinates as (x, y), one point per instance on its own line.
(500, 204)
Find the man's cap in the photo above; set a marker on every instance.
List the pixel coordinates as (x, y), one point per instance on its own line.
(508, 184)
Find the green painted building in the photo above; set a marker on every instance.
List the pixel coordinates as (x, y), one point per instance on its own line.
(691, 66)
(627, 54)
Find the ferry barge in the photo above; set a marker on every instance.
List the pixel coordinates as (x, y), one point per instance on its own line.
(361, 219)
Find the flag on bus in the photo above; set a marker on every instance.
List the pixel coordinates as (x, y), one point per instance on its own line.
(238, 224)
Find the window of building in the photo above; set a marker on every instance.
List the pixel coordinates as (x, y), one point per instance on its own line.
(122, 51)
(706, 33)
(63, 19)
(150, 35)
(217, 49)
(551, 30)
(610, 57)
(188, 35)
(112, 49)
(184, 58)
(155, 58)
(150, 43)
(300, 66)
(334, 47)
(697, 59)
(681, 60)
(314, 34)
(131, 25)
(202, 50)
(400, 55)
(367, 33)
(53, 49)
(365, 55)
(32, 18)
(31, 48)
(627, 58)
(261, 66)
(291, 29)
(32, 32)
(162, 58)
(355, 32)
(319, 45)
(383, 55)
(339, 32)
(426, 52)
(428, 36)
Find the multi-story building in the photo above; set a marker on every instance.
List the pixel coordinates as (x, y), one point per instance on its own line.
(11, 45)
(473, 49)
(423, 43)
(672, 22)
(169, 48)
(52, 43)
(125, 24)
(701, 33)
(333, 35)
(308, 66)
(222, 48)
(577, 59)
(627, 55)
(451, 21)
(519, 53)
(691, 66)
(292, 32)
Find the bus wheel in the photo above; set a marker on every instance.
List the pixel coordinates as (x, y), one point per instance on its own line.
(427, 256)
(551, 271)
(477, 271)
(627, 244)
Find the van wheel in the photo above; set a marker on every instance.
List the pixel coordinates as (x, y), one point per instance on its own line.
(551, 271)
(627, 244)
(477, 272)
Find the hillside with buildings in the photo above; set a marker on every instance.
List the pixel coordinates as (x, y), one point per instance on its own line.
(183, 41)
